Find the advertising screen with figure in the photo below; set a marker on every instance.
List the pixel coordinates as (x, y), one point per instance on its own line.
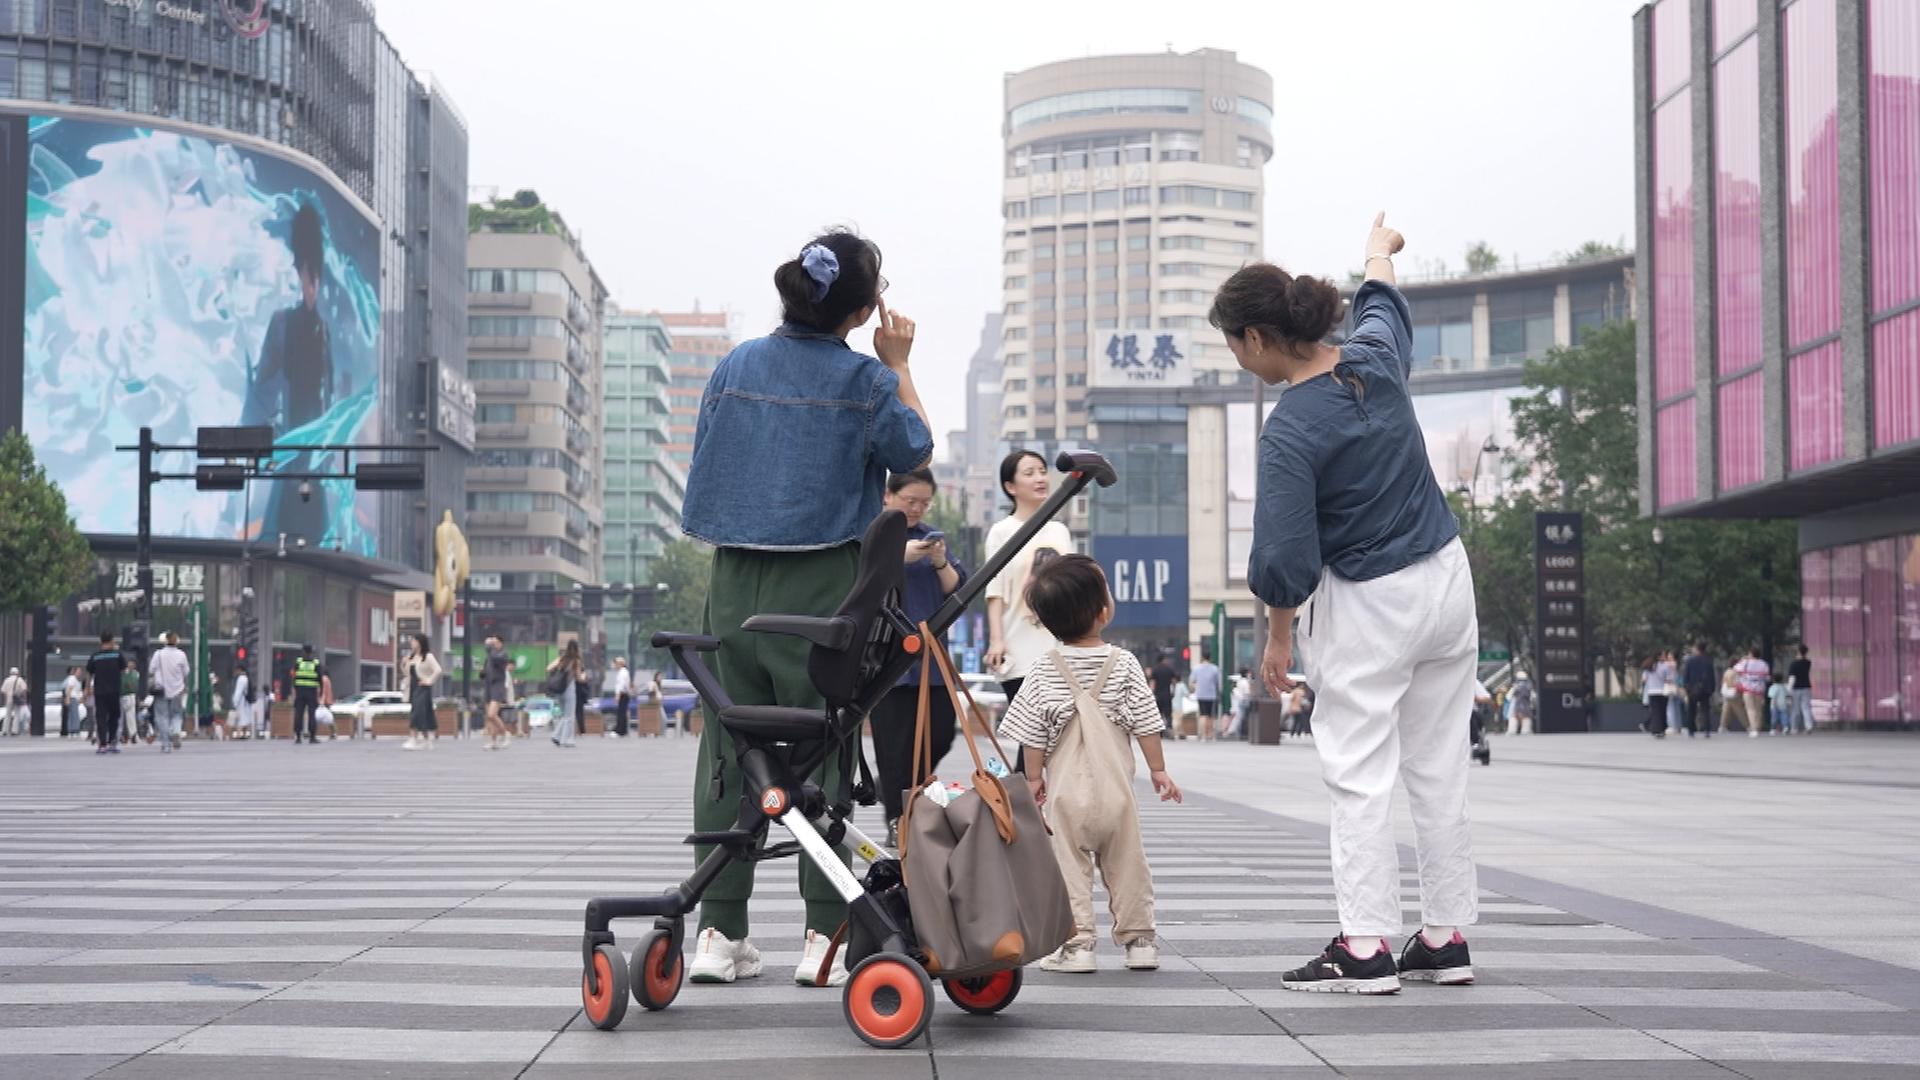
(178, 282)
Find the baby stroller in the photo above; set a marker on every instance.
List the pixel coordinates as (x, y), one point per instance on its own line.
(858, 654)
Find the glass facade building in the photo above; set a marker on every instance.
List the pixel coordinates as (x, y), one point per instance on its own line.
(1778, 163)
(644, 485)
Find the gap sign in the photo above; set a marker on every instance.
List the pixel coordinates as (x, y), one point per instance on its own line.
(1148, 578)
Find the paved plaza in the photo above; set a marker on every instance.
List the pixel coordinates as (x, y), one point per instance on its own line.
(1733, 908)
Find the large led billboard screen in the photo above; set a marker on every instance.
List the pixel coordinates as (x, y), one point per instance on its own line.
(175, 281)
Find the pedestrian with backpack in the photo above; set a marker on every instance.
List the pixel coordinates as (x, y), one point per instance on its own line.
(1076, 717)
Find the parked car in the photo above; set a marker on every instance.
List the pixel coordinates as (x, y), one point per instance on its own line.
(541, 710)
(986, 691)
(356, 712)
(677, 702)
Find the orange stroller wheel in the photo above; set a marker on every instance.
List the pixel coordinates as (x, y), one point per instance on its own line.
(657, 971)
(607, 1005)
(985, 995)
(888, 1001)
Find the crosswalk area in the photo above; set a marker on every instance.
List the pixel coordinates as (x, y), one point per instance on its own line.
(347, 910)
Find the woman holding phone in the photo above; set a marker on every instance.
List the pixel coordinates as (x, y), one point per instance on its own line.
(932, 576)
(1352, 534)
(796, 437)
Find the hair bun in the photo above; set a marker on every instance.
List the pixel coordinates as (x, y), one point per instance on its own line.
(1313, 306)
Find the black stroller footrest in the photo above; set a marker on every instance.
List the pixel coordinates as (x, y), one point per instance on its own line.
(730, 838)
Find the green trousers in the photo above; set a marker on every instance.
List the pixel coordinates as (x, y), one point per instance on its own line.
(764, 669)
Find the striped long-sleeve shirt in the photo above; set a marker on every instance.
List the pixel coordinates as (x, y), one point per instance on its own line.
(1040, 711)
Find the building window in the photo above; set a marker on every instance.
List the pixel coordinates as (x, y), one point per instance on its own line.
(1138, 196)
(1076, 353)
(1075, 203)
(1045, 206)
(1106, 200)
(1139, 322)
(1810, 79)
(1043, 303)
(1074, 326)
(1893, 142)
(1137, 296)
(1018, 281)
(1106, 245)
(1138, 242)
(1014, 209)
(1673, 246)
(1108, 297)
(1043, 356)
(1043, 251)
(1015, 307)
(1106, 272)
(1522, 325)
(1138, 270)
(1012, 257)
(1015, 386)
(1076, 300)
(1043, 277)
(1189, 296)
(1076, 378)
(1105, 322)
(1074, 275)
(1040, 383)
(1179, 146)
(1015, 359)
(1076, 247)
(1128, 101)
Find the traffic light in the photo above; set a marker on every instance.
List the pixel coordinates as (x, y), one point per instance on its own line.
(44, 619)
(134, 637)
(249, 636)
(593, 600)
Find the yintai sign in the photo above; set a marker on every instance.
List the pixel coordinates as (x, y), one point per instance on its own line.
(1161, 360)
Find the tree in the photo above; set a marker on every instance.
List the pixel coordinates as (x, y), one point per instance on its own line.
(683, 567)
(46, 558)
(1576, 446)
(1593, 251)
(1482, 259)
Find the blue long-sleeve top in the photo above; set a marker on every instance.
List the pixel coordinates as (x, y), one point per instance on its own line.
(1344, 481)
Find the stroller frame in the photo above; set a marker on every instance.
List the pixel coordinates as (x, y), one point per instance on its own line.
(888, 996)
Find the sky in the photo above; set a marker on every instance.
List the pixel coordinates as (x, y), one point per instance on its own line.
(694, 147)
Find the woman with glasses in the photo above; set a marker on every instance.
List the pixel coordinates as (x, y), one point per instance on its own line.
(796, 436)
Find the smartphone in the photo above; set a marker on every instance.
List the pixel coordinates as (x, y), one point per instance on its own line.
(933, 537)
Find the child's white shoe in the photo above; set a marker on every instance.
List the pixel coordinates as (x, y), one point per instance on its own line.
(810, 958)
(719, 959)
(1073, 959)
(1143, 956)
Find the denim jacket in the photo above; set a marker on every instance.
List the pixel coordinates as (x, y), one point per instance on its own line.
(796, 436)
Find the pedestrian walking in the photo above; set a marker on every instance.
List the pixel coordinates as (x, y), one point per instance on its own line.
(1755, 674)
(932, 575)
(17, 717)
(622, 697)
(785, 526)
(1522, 704)
(1657, 674)
(1075, 718)
(1676, 693)
(241, 704)
(1241, 703)
(1779, 706)
(214, 716)
(1352, 534)
(1696, 677)
(1015, 639)
(306, 694)
(1800, 676)
(1732, 708)
(563, 685)
(422, 674)
(497, 684)
(169, 669)
(1300, 711)
(129, 701)
(72, 704)
(323, 716)
(1205, 680)
(104, 668)
(1162, 678)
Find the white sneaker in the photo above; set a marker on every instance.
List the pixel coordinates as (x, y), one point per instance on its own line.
(1143, 956)
(719, 959)
(412, 743)
(816, 951)
(1073, 958)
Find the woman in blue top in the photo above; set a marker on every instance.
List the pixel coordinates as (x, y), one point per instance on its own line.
(1352, 535)
(796, 437)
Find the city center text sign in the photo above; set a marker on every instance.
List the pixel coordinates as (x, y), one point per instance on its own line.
(1561, 614)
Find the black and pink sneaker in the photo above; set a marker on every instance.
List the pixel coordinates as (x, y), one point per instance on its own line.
(1338, 971)
(1446, 965)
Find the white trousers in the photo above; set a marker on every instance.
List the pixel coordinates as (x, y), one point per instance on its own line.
(1391, 662)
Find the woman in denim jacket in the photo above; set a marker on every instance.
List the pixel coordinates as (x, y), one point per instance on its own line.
(796, 437)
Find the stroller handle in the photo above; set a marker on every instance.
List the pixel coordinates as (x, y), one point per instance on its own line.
(1082, 467)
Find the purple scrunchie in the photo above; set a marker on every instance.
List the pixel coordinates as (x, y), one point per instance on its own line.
(823, 266)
